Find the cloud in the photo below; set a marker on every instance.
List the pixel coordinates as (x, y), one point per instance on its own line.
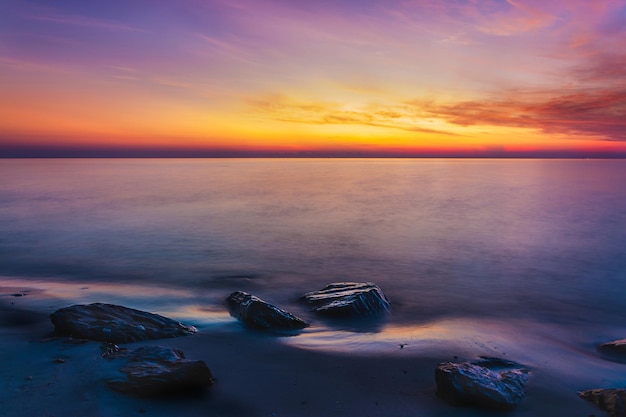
(285, 109)
(596, 113)
(520, 17)
(603, 68)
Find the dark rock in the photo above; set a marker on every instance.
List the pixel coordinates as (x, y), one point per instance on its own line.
(489, 383)
(256, 313)
(349, 299)
(115, 324)
(615, 350)
(155, 370)
(611, 400)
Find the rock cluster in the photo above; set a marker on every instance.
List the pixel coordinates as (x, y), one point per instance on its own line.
(341, 300)
(489, 383)
(115, 324)
(154, 370)
(150, 370)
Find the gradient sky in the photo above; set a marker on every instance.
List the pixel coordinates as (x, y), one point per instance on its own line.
(400, 76)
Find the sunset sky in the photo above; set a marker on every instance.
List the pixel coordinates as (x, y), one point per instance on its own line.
(344, 77)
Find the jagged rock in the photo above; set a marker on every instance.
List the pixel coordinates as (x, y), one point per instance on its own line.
(611, 400)
(489, 383)
(615, 350)
(255, 312)
(155, 370)
(349, 299)
(115, 324)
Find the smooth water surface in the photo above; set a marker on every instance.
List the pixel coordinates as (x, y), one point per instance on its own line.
(538, 240)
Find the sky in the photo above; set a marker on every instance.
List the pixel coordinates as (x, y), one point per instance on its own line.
(284, 77)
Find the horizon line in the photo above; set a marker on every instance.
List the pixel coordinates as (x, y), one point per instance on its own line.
(319, 157)
(17, 152)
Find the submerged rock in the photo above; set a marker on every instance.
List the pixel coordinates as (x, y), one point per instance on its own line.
(611, 400)
(155, 370)
(115, 324)
(349, 299)
(489, 383)
(255, 312)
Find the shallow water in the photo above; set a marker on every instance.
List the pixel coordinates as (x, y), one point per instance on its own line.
(539, 242)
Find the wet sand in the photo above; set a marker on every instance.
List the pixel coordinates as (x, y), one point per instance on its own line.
(321, 372)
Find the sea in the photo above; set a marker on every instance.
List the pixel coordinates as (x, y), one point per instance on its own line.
(484, 255)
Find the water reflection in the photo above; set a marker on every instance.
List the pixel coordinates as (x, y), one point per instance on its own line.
(543, 347)
(56, 294)
(428, 337)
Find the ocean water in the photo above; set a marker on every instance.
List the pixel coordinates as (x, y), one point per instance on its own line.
(532, 243)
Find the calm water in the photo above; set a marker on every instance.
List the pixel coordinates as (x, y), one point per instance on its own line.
(541, 241)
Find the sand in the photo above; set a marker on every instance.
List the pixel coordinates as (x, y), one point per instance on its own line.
(258, 374)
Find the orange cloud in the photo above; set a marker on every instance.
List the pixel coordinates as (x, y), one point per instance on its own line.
(397, 116)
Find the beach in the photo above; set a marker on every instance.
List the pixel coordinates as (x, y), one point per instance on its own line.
(389, 373)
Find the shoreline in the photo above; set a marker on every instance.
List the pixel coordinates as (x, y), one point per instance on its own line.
(260, 374)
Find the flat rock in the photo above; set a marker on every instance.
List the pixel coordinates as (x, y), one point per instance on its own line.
(115, 324)
(155, 370)
(349, 299)
(611, 400)
(489, 383)
(256, 313)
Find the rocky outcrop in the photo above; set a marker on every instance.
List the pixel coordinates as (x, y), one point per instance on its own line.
(256, 313)
(115, 324)
(611, 400)
(155, 370)
(488, 383)
(349, 299)
(615, 350)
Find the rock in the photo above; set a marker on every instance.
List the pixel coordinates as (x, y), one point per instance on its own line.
(155, 370)
(115, 324)
(256, 313)
(611, 400)
(489, 383)
(615, 350)
(349, 299)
